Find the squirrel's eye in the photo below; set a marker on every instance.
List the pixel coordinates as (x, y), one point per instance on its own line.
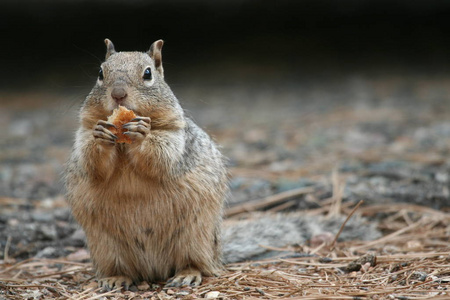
(147, 74)
(100, 74)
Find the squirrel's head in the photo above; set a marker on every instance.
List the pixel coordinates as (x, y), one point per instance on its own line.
(131, 79)
(134, 80)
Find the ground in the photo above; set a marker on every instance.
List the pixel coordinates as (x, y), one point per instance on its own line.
(380, 138)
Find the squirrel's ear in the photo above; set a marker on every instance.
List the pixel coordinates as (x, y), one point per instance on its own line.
(109, 48)
(155, 54)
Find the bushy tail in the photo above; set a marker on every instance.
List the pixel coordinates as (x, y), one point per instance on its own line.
(241, 239)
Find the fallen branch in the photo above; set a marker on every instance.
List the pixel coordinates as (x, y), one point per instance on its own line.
(265, 202)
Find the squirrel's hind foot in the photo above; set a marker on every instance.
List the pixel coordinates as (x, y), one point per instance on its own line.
(187, 277)
(115, 282)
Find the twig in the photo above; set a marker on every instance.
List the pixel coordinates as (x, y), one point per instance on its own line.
(282, 206)
(271, 200)
(16, 265)
(345, 222)
(318, 248)
(8, 244)
(337, 194)
(389, 236)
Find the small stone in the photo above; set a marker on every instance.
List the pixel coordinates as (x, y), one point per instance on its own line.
(395, 268)
(393, 278)
(182, 293)
(20, 127)
(170, 292)
(62, 214)
(414, 244)
(319, 239)
(441, 177)
(353, 266)
(133, 289)
(325, 260)
(260, 291)
(418, 275)
(78, 236)
(47, 232)
(143, 286)
(365, 267)
(390, 249)
(46, 252)
(212, 295)
(32, 294)
(92, 285)
(357, 264)
(13, 222)
(80, 255)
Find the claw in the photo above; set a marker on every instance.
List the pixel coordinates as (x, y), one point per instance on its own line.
(137, 130)
(189, 277)
(106, 124)
(103, 135)
(101, 129)
(145, 119)
(134, 135)
(110, 283)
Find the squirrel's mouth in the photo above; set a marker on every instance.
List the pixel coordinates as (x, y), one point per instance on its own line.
(128, 104)
(114, 105)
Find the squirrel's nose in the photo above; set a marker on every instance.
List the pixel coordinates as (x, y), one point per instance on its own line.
(119, 94)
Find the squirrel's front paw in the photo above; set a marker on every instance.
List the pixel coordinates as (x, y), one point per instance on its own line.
(102, 134)
(137, 128)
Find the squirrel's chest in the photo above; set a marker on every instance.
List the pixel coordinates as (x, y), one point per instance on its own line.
(132, 207)
(128, 196)
(130, 192)
(125, 176)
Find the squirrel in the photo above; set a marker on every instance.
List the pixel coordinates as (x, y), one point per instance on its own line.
(151, 210)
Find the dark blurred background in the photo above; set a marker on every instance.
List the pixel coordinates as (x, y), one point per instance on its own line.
(58, 45)
(288, 88)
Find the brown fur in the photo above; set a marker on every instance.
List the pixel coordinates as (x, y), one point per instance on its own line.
(150, 209)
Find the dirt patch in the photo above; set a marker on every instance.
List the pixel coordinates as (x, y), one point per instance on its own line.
(410, 261)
